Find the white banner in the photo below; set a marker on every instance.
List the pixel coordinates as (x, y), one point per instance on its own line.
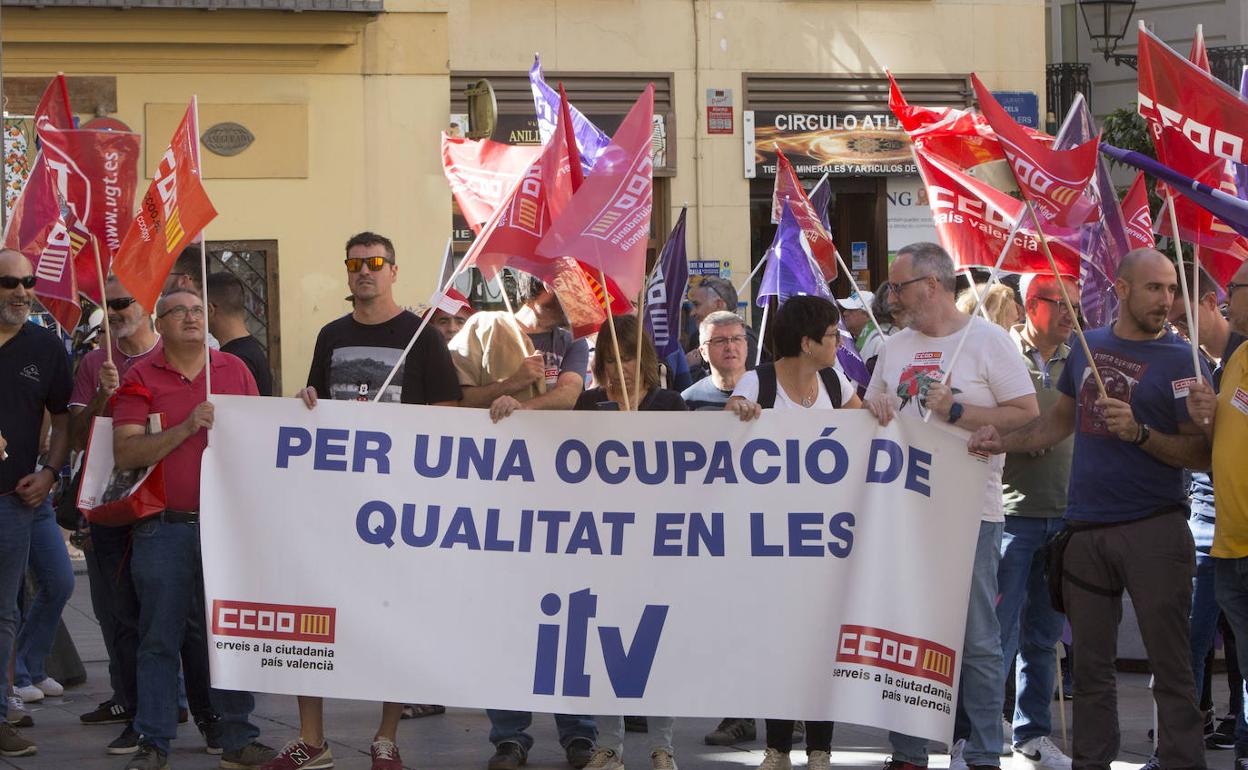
(591, 563)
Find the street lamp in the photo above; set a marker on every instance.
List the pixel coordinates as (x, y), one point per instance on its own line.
(1108, 22)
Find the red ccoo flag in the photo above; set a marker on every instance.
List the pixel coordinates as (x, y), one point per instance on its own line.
(606, 224)
(1135, 212)
(481, 173)
(173, 211)
(789, 189)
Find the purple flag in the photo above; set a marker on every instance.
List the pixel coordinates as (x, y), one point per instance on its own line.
(850, 362)
(590, 139)
(1230, 209)
(1102, 242)
(821, 199)
(1241, 170)
(791, 268)
(666, 292)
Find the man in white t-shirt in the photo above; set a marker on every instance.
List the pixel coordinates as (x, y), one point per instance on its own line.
(988, 384)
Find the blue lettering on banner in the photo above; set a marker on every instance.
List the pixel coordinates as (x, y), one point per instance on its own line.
(628, 670)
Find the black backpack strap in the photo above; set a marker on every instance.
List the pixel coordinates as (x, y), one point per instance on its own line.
(766, 385)
(832, 384)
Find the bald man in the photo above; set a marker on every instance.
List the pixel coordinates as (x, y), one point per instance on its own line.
(1126, 514)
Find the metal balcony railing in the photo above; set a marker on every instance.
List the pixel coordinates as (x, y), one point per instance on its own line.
(1062, 82)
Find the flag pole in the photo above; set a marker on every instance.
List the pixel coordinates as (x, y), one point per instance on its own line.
(750, 277)
(615, 340)
(762, 331)
(1070, 308)
(203, 262)
(641, 330)
(1187, 297)
(99, 270)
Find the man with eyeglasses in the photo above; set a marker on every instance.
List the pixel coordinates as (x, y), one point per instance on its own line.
(723, 344)
(352, 358)
(915, 374)
(1222, 412)
(34, 379)
(1035, 501)
(165, 557)
(134, 339)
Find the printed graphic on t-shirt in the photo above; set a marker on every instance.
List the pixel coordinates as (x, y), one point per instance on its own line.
(918, 377)
(1240, 400)
(1182, 387)
(1120, 374)
(356, 372)
(552, 363)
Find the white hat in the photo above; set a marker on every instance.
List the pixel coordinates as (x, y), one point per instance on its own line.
(859, 300)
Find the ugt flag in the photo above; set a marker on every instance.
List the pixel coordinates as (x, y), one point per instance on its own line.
(1055, 181)
(591, 141)
(791, 268)
(606, 225)
(174, 210)
(666, 292)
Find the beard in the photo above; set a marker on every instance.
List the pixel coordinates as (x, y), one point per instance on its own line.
(126, 328)
(14, 313)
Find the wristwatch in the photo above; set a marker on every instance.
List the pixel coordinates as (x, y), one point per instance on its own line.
(1142, 435)
(955, 412)
(56, 474)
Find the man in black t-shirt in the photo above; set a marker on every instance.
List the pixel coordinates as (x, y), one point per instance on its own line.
(34, 377)
(227, 321)
(353, 356)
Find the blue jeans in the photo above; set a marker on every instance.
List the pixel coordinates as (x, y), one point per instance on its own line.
(16, 522)
(1030, 627)
(1231, 580)
(54, 583)
(510, 726)
(168, 578)
(1204, 618)
(983, 673)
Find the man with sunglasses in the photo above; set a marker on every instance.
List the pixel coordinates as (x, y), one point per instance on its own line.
(113, 599)
(1035, 501)
(165, 560)
(34, 379)
(352, 358)
(915, 374)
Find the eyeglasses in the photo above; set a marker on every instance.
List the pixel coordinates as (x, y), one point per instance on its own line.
(896, 287)
(1230, 287)
(1061, 304)
(12, 282)
(121, 303)
(180, 312)
(356, 264)
(722, 342)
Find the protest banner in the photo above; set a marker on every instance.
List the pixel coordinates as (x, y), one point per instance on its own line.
(589, 563)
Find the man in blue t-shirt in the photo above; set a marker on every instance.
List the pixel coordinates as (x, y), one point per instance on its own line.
(1127, 510)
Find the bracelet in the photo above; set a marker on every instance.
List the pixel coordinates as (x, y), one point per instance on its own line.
(1141, 435)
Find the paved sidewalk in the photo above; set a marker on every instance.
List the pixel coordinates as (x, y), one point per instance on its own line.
(458, 739)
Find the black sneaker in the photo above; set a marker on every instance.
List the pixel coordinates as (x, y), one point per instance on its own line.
(148, 757)
(107, 713)
(212, 733)
(578, 751)
(508, 755)
(636, 725)
(732, 731)
(126, 743)
(1153, 763)
(1224, 736)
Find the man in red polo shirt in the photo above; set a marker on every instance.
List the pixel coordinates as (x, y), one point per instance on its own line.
(165, 559)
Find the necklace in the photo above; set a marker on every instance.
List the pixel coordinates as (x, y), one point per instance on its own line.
(807, 401)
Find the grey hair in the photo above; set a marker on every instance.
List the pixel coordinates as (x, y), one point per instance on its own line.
(931, 259)
(715, 320)
(723, 288)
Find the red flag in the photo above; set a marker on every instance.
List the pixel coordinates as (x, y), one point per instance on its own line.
(34, 214)
(789, 189)
(173, 211)
(1196, 224)
(1175, 92)
(1135, 212)
(606, 225)
(569, 135)
(1200, 54)
(482, 172)
(1055, 181)
(960, 138)
(973, 221)
(95, 174)
(518, 224)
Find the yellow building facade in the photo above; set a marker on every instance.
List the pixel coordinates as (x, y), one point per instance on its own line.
(345, 107)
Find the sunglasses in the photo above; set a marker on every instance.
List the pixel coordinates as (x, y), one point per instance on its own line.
(356, 264)
(12, 282)
(120, 304)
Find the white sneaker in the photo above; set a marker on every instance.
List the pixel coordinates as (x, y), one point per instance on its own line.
(818, 760)
(776, 760)
(1042, 754)
(661, 759)
(605, 759)
(29, 693)
(956, 761)
(50, 687)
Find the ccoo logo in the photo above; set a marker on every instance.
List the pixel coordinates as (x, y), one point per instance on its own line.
(286, 622)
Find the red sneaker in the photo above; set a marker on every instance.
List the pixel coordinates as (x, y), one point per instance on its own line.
(385, 755)
(299, 755)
